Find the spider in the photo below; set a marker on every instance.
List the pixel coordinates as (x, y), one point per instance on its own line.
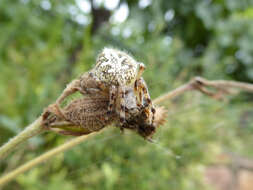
(113, 73)
(89, 114)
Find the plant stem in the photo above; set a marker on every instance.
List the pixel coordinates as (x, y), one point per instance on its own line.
(33, 129)
(200, 84)
(44, 157)
(169, 95)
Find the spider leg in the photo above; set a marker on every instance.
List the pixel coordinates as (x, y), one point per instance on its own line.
(75, 86)
(71, 88)
(51, 113)
(148, 106)
(112, 98)
(86, 84)
(137, 91)
(122, 114)
(89, 85)
(140, 71)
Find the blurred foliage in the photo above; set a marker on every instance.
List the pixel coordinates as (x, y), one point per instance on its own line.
(44, 44)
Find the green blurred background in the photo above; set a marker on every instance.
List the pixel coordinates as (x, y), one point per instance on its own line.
(44, 44)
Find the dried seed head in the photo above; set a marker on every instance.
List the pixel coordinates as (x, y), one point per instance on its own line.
(89, 113)
(81, 116)
(116, 67)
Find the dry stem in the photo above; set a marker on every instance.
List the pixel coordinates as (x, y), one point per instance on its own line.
(44, 157)
(220, 88)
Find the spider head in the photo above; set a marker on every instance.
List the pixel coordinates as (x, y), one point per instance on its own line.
(117, 67)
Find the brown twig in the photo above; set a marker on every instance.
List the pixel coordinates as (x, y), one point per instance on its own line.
(220, 88)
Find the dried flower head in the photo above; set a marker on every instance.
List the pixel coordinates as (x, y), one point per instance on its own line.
(89, 114)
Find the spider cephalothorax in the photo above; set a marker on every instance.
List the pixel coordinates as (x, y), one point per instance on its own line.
(115, 71)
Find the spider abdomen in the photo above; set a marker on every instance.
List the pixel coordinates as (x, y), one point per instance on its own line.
(115, 67)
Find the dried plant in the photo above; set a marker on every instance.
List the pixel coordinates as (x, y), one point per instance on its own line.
(90, 114)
